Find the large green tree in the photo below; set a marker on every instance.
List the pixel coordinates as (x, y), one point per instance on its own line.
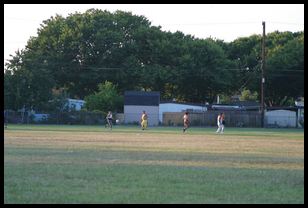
(285, 72)
(284, 65)
(26, 84)
(80, 51)
(105, 99)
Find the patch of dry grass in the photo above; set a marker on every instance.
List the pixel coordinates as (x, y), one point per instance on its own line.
(78, 165)
(223, 145)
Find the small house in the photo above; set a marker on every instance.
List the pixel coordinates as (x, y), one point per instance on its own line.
(172, 106)
(137, 101)
(74, 104)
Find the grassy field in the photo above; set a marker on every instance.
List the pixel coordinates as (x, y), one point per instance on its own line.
(91, 164)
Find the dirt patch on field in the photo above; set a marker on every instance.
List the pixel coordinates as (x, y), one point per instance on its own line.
(158, 142)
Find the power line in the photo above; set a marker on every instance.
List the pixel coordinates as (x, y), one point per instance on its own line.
(247, 78)
(248, 71)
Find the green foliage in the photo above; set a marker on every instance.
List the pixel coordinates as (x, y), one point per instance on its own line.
(224, 99)
(25, 83)
(285, 71)
(56, 104)
(287, 101)
(247, 95)
(106, 99)
(84, 49)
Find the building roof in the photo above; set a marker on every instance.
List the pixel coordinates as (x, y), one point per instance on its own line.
(182, 103)
(75, 100)
(246, 103)
(238, 105)
(141, 98)
(291, 108)
(299, 103)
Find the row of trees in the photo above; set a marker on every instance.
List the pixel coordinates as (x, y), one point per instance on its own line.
(77, 53)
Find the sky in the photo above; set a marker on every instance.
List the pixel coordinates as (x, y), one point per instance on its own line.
(226, 22)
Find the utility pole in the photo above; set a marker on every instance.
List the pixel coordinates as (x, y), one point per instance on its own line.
(262, 76)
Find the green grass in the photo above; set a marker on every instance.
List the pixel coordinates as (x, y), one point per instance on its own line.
(90, 164)
(172, 130)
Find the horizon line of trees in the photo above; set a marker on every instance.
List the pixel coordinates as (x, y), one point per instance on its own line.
(73, 55)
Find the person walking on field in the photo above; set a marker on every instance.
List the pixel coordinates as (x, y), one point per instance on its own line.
(220, 123)
(186, 121)
(144, 120)
(109, 119)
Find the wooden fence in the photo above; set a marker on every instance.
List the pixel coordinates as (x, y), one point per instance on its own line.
(209, 118)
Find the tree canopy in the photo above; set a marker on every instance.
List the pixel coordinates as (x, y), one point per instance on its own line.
(77, 53)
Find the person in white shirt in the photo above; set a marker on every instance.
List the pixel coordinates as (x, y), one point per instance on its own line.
(220, 125)
(109, 119)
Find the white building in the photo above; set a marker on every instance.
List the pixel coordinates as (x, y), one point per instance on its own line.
(179, 107)
(281, 118)
(38, 117)
(137, 101)
(75, 104)
(300, 111)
